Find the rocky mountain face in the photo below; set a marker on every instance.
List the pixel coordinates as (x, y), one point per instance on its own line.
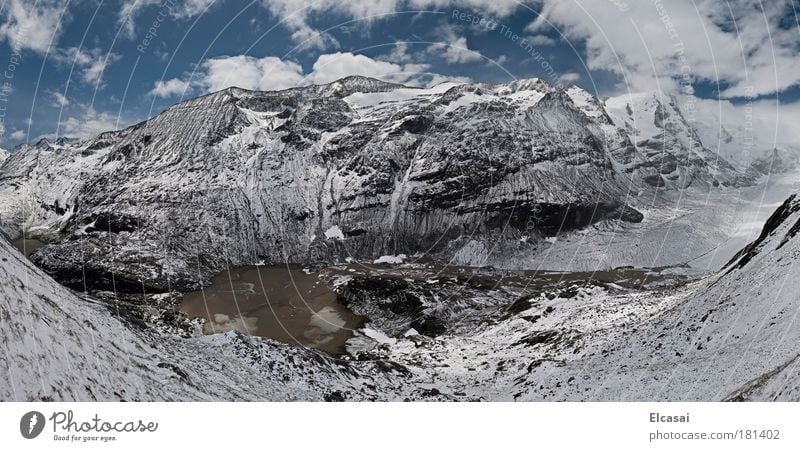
(356, 168)
(3, 155)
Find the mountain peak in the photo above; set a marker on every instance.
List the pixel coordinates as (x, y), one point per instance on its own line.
(352, 84)
(524, 84)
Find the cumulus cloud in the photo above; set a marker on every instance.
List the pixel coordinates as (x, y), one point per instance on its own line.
(670, 45)
(90, 124)
(170, 88)
(271, 73)
(268, 73)
(334, 66)
(17, 135)
(746, 45)
(31, 25)
(59, 100)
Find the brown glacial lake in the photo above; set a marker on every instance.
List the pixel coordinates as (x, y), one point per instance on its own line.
(278, 302)
(28, 246)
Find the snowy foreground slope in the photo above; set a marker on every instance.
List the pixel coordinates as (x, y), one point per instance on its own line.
(61, 346)
(729, 336)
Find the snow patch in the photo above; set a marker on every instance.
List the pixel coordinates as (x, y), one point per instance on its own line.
(334, 232)
(378, 336)
(390, 259)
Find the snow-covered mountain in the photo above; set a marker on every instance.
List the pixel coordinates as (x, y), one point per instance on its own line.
(3, 155)
(669, 150)
(358, 168)
(520, 175)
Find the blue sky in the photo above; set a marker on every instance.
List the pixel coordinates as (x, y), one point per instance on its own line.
(79, 67)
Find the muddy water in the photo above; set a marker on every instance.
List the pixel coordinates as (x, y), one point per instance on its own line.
(277, 302)
(28, 246)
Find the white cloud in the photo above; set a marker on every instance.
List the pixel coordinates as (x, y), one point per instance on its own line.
(754, 126)
(540, 40)
(568, 78)
(271, 73)
(17, 135)
(191, 8)
(89, 125)
(297, 15)
(60, 100)
(654, 44)
(91, 63)
(498, 8)
(178, 9)
(31, 25)
(93, 72)
(456, 51)
(399, 54)
(334, 66)
(170, 88)
(129, 11)
(294, 15)
(453, 48)
(268, 73)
